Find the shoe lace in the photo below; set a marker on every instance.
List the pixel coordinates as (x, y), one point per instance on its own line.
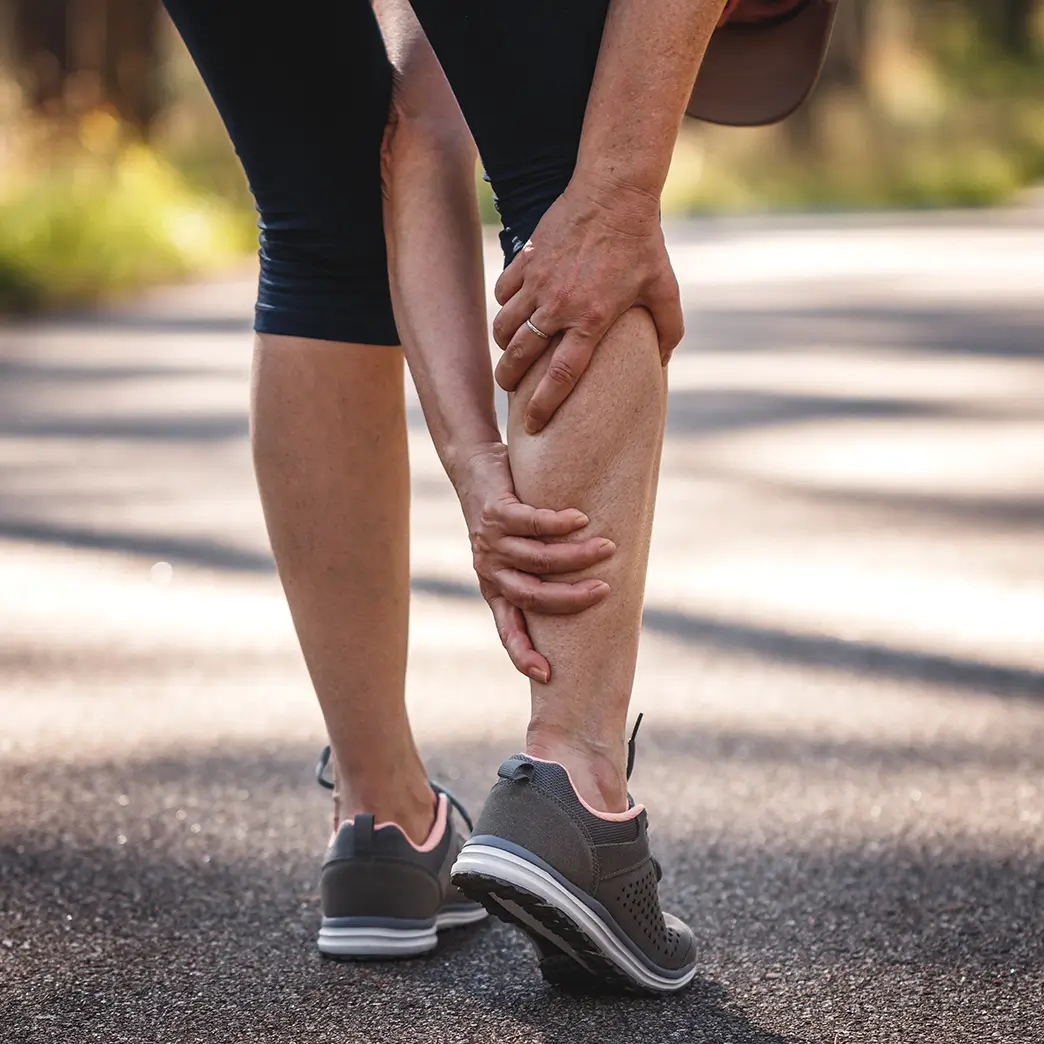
(321, 778)
(320, 769)
(631, 747)
(631, 750)
(461, 810)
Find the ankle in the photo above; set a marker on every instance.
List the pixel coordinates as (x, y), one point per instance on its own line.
(411, 804)
(597, 768)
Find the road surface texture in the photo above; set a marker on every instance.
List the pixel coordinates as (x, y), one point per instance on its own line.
(842, 672)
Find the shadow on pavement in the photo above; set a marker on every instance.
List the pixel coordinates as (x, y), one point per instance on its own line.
(44, 372)
(859, 657)
(771, 643)
(95, 320)
(195, 427)
(902, 508)
(1012, 333)
(711, 411)
(690, 413)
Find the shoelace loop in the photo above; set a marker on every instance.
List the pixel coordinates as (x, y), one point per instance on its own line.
(631, 744)
(320, 769)
(320, 778)
(461, 810)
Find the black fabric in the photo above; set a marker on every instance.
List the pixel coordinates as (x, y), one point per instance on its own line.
(305, 91)
(522, 73)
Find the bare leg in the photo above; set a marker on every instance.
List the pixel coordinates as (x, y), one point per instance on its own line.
(331, 453)
(600, 453)
(329, 438)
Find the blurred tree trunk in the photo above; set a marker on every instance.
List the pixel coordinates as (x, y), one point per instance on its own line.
(1009, 24)
(39, 56)
(132, 56)
(1014, 30)
(843, 69)
(74, 55)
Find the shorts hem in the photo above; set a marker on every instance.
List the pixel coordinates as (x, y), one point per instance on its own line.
(346, 329)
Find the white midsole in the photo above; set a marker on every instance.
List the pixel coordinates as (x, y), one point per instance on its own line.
(392, 942)
(376, 942)
(458, 918)
(514, 870)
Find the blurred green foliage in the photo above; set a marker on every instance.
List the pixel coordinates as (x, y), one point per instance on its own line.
(104, 220)
(922, 103)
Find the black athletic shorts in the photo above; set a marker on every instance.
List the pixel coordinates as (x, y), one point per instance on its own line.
(304, 89)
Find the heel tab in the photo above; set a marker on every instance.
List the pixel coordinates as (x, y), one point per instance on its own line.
(517, 768)
(354, 837)
(362, 833)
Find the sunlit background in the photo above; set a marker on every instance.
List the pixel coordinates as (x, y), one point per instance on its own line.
(114, 168)
(842, 669)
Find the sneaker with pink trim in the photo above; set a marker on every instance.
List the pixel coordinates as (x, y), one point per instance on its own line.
(385, 897)
(581, 884)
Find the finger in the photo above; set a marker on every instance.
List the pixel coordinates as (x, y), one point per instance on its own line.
(549, 596)
(517, 519)
(522, 351)
(511, 317)
(510, 281)
(568, 361)
(511, 626)
(540, 559)
(664, 303)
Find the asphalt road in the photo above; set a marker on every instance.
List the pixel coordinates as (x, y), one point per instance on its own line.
(842, 673)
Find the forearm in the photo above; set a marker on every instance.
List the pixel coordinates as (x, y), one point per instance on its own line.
(435, 257)
(651, 51)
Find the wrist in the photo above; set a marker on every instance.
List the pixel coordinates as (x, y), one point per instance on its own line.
(463, 461)
(627, 203)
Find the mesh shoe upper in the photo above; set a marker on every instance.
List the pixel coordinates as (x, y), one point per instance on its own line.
(377, 873)
(534, 806)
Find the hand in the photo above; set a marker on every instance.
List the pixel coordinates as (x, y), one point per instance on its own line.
(597, 252)
(511, 555)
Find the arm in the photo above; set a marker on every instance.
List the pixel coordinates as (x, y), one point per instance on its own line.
(435, 262)
(651, 51)
(599, 250)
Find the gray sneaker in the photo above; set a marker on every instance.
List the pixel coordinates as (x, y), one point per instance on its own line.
(583, 887)
(382, 896)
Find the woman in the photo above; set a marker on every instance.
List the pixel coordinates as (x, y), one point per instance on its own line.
(349, 145)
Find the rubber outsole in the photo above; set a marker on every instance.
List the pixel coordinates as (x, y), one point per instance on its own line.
(373, 943)
(565, 971)
(576, 949)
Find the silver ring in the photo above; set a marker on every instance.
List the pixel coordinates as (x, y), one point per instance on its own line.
(540, 333)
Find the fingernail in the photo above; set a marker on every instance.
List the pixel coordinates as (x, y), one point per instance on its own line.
(606, 545)
(581, 519)
(539, 675)
(531, 427)
(600, 588)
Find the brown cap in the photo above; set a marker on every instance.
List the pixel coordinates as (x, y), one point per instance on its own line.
(762, 61)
